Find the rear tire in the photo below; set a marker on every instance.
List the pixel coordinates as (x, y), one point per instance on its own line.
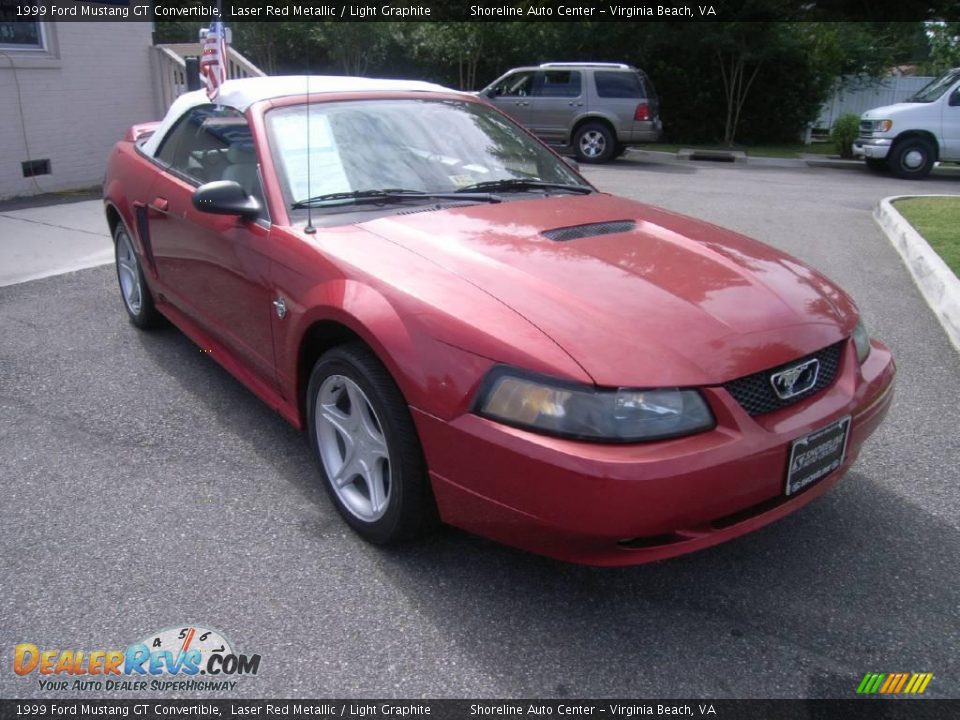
(137, 300)
(367, 448)
(912, 158)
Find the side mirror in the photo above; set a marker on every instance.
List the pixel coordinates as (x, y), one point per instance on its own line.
(572, 163)
(225, 197)
(955, 98)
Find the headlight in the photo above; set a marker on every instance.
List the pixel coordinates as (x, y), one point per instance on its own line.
(883, 125)
(556, 407)
(861, 340)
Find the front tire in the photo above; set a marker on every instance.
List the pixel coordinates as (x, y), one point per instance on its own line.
(912, 158)
(137, 300)
(366, 445)
(594, 143)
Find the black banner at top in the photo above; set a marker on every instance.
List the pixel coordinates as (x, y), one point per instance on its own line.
(478, 10)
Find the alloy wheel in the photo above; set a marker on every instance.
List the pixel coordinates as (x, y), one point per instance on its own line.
(353, 448)
(128, 271)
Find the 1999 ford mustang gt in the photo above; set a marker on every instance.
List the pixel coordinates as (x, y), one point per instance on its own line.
(470, 332)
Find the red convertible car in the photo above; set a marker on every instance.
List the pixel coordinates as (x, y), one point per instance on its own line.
(471, 333)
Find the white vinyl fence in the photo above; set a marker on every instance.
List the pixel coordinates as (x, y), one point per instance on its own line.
(858, 94)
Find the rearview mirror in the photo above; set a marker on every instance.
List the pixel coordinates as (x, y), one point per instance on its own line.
(225, 197)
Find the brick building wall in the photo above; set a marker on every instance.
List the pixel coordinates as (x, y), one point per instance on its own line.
(77, 96)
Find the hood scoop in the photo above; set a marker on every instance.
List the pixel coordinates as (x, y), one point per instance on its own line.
(431, 208)
(575, 232)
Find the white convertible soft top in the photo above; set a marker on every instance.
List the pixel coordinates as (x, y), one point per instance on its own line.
(241, 94)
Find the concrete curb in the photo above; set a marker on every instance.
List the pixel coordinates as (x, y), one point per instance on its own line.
(739, 157)
(835, 163)
(937, 282)
(734, 156)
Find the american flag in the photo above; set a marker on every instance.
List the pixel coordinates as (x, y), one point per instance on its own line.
(213, 60)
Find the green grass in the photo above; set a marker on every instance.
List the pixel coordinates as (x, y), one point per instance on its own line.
(938, 220)
(775, 151)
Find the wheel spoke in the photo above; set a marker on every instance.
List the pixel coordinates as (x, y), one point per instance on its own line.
(348, 471)
(358, 405)
(341, 422)
(135, 296)
(375, 485)
(373, 436)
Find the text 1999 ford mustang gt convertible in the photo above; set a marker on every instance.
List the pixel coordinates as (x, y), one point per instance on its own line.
(470, 332)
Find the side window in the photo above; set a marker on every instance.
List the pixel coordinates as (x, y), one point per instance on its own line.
(515, 85)
(210, 143)
(558, 83)
(618, 84)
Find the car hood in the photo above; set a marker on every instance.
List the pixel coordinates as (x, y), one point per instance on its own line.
(661, 300)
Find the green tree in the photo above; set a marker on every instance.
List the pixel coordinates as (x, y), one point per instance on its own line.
(944, 47)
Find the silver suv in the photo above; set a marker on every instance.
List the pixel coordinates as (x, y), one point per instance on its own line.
(597, 109)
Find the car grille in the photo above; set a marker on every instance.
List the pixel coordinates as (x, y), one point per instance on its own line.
(866, 128)
(575, 232)
(755, 392)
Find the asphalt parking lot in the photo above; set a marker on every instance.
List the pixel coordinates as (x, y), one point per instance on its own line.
(143, 488)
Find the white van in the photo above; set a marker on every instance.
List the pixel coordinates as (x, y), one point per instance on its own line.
(909, 137)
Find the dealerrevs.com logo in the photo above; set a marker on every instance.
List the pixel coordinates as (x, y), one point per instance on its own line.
(178, 659)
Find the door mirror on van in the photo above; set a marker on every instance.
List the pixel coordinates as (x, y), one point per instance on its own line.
(955, 98)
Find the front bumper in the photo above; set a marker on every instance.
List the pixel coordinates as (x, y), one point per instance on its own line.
(626, 504)
(872, 148)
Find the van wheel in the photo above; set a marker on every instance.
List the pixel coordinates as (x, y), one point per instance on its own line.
(913, 158)
(594, 143)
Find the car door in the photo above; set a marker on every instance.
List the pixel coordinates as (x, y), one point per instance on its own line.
(951, 126)
(558, 97)
(214, 268)
(512, 95)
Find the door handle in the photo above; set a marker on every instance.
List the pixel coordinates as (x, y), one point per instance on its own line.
(575, 104)
(161, 204)
(521, 104)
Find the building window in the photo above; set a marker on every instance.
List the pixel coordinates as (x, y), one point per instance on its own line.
(19, 35)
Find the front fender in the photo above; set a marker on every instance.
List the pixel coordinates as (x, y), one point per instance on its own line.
(433, 376)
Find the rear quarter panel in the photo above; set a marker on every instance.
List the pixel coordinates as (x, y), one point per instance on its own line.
(127, 184)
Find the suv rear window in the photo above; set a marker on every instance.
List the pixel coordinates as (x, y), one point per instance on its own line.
(618, 84)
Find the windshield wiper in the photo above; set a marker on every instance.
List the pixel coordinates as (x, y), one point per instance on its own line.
(524, 184)
(386, 195)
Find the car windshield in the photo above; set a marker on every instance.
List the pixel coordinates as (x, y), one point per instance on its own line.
(935, 89)
(406, 147)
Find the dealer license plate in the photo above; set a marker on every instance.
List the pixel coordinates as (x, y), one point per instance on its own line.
(817, 455)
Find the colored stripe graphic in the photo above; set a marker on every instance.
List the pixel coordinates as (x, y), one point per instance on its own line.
(927, 677)
(894, 683)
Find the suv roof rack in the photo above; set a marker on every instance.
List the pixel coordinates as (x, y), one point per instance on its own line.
(620, 66)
